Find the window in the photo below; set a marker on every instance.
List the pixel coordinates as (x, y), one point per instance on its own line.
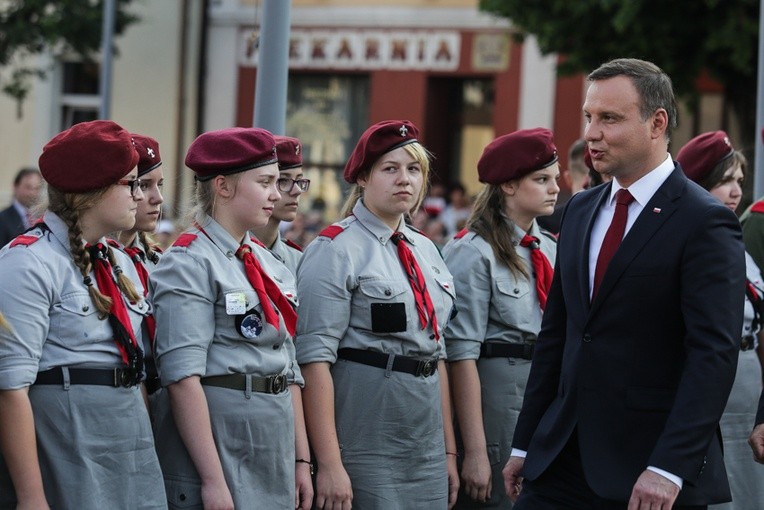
(80, 99)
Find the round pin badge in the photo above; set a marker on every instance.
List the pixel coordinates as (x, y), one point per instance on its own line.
(250, 325)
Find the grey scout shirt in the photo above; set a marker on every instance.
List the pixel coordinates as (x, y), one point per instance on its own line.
(202, 295)
(493, 304)
(341, 280)
(54, 320)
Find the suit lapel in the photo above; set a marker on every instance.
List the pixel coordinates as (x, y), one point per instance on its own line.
(655, 213)
(583, 256)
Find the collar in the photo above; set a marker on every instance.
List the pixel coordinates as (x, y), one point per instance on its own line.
(644, 189)
(377, 227)
(219, 236)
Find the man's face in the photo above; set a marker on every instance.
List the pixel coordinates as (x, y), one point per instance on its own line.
(28, 190)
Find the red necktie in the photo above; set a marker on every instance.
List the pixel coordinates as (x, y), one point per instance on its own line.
(541, 267)
(266, 291)
(613, 237)
(424, 306)
(138, 260)
(118, 316)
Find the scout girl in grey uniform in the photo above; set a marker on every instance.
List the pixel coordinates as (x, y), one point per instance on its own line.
(502, 267)
(710, 160)
(225, 321)
(370, 339)
(292, 184)
(141, 249)
(75, 430)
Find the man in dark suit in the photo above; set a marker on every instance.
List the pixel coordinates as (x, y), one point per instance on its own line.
(640, 338)
(26, 192)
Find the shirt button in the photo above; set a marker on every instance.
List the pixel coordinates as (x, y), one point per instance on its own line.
(516, 291)
(587, 338)
(85, 308)
(388, 292)
(437, 271)
(229, 254)
(276, 347)
(432, 337)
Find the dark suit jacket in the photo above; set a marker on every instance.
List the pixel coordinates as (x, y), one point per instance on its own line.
(11, 225)
(643, 372)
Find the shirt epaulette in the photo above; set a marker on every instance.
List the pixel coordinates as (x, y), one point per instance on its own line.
(331, 231)
(463, 232)
(184, 240)
(758, 207)
(292, 244)
(25, 240)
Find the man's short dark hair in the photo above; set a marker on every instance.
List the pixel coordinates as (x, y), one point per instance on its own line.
(27, 170)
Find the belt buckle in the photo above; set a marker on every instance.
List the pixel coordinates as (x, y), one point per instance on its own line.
(426, 368)
(123, 378)
(276, 383)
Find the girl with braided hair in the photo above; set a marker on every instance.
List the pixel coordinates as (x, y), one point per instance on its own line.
(74, 431)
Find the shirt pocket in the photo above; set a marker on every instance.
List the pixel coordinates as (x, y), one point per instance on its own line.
(514, 301)
(76, 321)
(388, 300)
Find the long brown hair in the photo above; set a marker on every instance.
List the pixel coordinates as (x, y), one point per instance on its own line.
(69, 206)
(488, 222)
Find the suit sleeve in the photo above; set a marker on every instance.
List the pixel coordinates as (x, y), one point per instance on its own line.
(760, 413)
(712, 287)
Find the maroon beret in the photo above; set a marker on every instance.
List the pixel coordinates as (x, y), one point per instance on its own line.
(230, 151)
(88, 156)
(289, 152)
(516, 154)
(700, 155)
(379, 139)
(148, 151)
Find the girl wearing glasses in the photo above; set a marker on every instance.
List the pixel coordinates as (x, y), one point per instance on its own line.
(375, 299)
(74, 430)
(140, 247)
(225, 311)
(291, 184)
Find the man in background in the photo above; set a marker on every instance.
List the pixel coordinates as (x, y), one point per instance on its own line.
(18, 216)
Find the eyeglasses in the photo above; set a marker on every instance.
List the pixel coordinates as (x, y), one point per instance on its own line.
(285, 184)
(133, 184)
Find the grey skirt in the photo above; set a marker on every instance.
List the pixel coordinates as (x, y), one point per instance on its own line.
(254, 438)
(390, 429)
(95, 449)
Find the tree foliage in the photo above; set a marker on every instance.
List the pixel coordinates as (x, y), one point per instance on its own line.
(684, 38)
(29, 27)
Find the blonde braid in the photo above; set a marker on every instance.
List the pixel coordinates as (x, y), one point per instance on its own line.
(150, 245)
(124, 283)
(81, 258)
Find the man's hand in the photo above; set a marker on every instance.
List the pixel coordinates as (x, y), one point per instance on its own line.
(653, 492)
(513, 481)
(757, 443)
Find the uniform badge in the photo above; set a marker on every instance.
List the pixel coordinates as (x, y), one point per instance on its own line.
(403, 130)
(250, 325)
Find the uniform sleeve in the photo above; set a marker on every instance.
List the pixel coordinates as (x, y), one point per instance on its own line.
(472, 282)
(26, 295)
(325, 291)
(294, 374)
(185, 316)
